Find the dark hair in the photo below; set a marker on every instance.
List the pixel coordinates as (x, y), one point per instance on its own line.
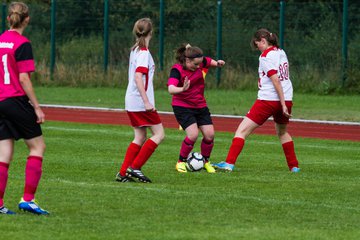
(142, 28)
(270, 37)
(18, 12)
(187, 51)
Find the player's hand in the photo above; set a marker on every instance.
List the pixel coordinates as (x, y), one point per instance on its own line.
(40, 115)
(186, 84)
(286, 112)
(149, 107)
(220, 63)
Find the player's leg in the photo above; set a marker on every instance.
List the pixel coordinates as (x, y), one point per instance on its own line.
(149, 146)
(158, 133)
(288, 147)
(192, 133)
(286, 141)
(131, 153)
(187, 120)
(33, 172)
(258, 114)
(207, 144)
(145, 152)
(187, 146)
(33, 169)
(6, 153)
(246, 127)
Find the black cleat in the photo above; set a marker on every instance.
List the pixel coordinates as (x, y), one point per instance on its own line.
(137, 174)
(120, 178)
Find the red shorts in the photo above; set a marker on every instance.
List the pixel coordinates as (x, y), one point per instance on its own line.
(144, 119)
(263, 109)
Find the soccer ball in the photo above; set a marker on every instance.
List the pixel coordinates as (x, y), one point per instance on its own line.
(195, 162)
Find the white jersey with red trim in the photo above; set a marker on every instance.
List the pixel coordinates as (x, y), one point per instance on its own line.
(274, 61)
(140, 61)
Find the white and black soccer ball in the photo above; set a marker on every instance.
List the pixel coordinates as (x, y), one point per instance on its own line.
(195, 162)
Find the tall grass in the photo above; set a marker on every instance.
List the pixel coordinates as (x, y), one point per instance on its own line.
(79, 63)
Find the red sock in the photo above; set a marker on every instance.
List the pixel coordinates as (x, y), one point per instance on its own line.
(290, 155)
(4, 169)
(235, 150)
(146, 150)
(33, 171)
(186, 147)
(131, 153)
(206, 148)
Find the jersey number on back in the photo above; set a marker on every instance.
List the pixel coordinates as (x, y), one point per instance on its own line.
(284, 72)
(6, 70)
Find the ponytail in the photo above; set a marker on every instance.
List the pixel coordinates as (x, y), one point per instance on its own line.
(142, 28)
(17, 14)
(270, 37)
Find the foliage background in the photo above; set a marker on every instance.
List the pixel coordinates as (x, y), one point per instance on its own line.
(313, 37)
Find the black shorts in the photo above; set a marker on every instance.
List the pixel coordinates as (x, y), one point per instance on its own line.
(187, 116)
(18, 119)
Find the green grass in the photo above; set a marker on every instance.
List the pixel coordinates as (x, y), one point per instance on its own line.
(306, 106)
(261, 199)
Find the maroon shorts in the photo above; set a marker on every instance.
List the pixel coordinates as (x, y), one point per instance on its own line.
(263, 109)
(144, 119)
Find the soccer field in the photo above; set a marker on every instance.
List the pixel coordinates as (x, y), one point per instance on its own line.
(261, 199)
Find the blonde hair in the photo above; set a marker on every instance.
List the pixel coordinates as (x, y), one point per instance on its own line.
(142, 28)
(17, 13)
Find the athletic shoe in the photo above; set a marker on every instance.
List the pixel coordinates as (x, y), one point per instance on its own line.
(32, 207)
(135, 173)
(181, 167)
(4, 210)
(295, 170)
(224, 166)
(209, 168)
(120, 178)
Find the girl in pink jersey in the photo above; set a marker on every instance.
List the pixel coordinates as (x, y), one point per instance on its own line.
(187, 83)
(140, 106)
(274, 99)
(20, 112)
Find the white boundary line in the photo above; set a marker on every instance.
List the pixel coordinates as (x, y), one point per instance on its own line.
(214, 115)
(164, 190)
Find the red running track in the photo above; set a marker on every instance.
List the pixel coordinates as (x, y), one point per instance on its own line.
(225, 124)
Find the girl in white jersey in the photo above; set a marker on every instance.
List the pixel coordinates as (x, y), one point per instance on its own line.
(140, 106)
(19, 118)
(274, 99)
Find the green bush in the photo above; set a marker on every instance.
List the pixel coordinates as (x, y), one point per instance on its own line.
(313, 41)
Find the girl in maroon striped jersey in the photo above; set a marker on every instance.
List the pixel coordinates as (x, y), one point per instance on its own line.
(187, 83)
(20, 112)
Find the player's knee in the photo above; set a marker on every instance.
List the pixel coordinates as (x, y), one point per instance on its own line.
(160, 136)
(43, 147)
(39, 149)
(193, 137)
(139, 140)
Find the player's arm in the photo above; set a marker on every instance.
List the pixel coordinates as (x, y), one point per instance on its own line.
(175, 90)
(29, 90)
(217, 63)
(174, 80)
(140, 85)
(278, 88)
